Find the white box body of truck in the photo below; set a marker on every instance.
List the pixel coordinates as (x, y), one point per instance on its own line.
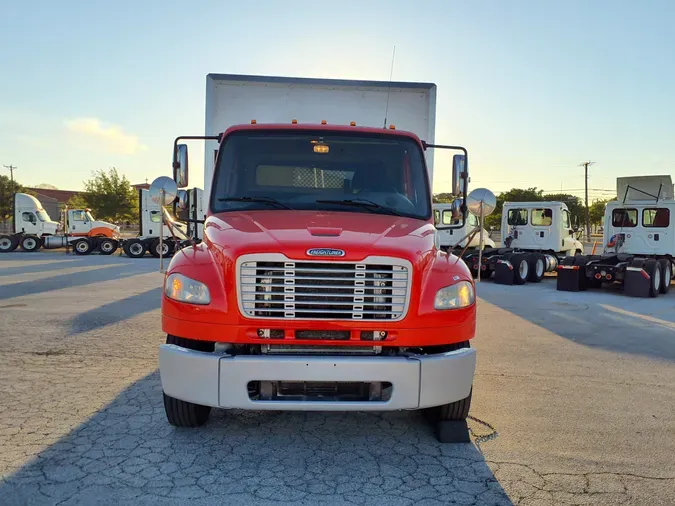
(238, 99)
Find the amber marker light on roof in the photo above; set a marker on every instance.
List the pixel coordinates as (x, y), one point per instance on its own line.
(253, 122)
(294, 121)
(353, 123)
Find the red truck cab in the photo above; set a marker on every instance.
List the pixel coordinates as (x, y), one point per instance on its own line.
(320, 283)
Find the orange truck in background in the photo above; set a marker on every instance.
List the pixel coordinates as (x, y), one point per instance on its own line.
(320, 283)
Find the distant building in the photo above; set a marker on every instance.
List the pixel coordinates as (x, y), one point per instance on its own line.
(53, 200)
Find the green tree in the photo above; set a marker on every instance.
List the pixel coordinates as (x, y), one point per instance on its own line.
(443, 198)
(513, 195)
(110, 196)
(6, 193)
(574, 204)
(77, 201)
(597, 211)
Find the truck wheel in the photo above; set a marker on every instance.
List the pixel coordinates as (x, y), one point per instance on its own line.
(134, 248)
(30, 243)
(183, 413)
(82, 247)
(666, 275)
(107, 246)
(8, 243)
(521, 268)
(154, 248)
(653, 268)
(537, 265)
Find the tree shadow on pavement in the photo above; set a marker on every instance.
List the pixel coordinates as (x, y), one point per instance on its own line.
(107, 273)
(603, 318)
(128, 454)
(41, 267)
(115, 312)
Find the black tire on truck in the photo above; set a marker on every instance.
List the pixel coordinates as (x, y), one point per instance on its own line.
(30, 243)
(521, 268)
(107, 246)
(653, 268)
(182, 413)
(134, 248)
(167, 246)
(537, 263)
(8, 243)
(666, 274)
(82, 246)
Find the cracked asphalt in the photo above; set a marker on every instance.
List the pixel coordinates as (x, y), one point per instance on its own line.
(580, 389)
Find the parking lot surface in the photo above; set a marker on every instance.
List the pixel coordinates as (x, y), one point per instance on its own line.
(573, 404)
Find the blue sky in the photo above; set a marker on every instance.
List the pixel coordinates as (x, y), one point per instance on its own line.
(531, 88)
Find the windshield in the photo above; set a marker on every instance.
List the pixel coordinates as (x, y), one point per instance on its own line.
(89, 216)
(42, 215)
(274, 170)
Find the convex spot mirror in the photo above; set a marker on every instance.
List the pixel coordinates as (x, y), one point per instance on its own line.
(481, 202)
(163, 191)
(180, 165)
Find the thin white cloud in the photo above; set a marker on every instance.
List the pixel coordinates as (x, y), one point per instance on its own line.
(93, 133)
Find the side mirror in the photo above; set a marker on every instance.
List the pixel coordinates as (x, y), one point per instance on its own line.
(181, 204)
(458, 174)
(180, 165)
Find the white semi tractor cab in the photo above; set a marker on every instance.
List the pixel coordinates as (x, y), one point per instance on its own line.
(536, 237)
(34, 229)
(457, 238)
(639, 241)
(175, 233)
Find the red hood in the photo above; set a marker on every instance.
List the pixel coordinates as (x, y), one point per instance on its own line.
(294, 232)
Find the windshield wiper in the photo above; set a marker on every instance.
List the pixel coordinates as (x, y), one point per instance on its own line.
(263, 200)
(361, 203)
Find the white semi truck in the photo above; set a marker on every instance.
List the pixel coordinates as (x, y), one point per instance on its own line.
(639, 242)
(34, 229)
(458, 238)
(536, 237)
(175, 233)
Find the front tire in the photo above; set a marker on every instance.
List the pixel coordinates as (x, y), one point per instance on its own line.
(167, 247)
(182, 413)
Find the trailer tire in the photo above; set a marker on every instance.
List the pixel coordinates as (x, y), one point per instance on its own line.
(8, 243)
(82, 247)
(134, 248)
(653, 268)
(537, 267)
(107, 246)
(521, 268)
(666, 275)
(154, 248)
(30, 243)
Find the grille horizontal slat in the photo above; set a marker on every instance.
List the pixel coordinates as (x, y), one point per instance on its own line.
(324, 290)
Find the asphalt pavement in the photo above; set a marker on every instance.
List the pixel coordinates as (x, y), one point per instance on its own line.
(573, 404)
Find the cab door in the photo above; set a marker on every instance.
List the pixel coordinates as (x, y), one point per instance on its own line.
(78, 222)
(656, 234)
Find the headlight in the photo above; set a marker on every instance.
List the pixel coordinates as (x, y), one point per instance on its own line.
(184, 289)
(455, 296)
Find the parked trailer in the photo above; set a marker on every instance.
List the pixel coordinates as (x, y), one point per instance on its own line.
(34, 229)
(175, 234)
(455, 240)
(639, 239)
(536, 236)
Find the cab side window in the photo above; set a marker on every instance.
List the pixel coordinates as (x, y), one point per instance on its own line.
(542, 217)
(656, 217)
(566, 219)
(447, 218)
(517, 217)
(624, 218)
(155, 217)
(78, 215)
(29, 217)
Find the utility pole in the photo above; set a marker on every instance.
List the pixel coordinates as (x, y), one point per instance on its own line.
(588, 216)
(11, 168)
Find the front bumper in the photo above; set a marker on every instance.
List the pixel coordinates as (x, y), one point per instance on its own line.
(221, 381)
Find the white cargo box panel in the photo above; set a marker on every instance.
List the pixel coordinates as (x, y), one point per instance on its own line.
(643, 187)
(238, 99)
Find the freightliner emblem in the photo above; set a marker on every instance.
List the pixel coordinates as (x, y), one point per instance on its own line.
(325, 252)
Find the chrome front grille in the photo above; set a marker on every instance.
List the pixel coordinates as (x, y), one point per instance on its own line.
(272, 286)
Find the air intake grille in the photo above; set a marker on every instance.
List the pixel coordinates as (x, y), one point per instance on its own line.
(324, 290)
